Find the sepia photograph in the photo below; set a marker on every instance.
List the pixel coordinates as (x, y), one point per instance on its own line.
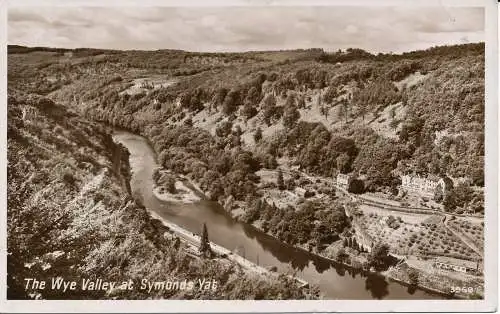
(252, 151)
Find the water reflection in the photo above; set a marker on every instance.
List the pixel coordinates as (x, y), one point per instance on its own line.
(377, 285)
(340, 271)
(411, 289)
(333, 279)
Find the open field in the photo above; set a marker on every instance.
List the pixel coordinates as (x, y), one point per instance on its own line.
(145, 84)
(411, 219)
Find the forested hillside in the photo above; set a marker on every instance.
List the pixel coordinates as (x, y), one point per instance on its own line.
(71, 215)
(220, 118)
(235, 125)
(377, 115)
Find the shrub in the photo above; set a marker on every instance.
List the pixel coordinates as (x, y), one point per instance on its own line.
(169, 184)
(257, 135)
(341, 256)
(58, 130)
(68, 178)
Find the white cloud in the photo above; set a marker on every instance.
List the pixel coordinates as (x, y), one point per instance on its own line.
(246, 28)
(351, 29)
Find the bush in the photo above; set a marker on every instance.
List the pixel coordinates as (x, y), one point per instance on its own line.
(169, 183)
(378, 258)
(414, 277)
(309, 193)
(68, 178)
(257, 136)
(341, 256)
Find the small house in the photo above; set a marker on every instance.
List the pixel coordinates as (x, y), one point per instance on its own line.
(455, 264)
(343, 180)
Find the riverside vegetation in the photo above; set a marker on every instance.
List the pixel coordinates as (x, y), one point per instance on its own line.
(221, 119)
(71, 216)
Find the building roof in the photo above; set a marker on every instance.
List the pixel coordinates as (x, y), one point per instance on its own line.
(456, 261)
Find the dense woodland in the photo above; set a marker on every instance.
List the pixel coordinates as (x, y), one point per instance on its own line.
(439, 130)
(70, 214)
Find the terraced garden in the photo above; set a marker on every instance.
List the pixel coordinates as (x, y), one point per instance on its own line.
(473, 231)
(407, 235)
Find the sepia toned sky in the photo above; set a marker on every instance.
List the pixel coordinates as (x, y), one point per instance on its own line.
(376, 29)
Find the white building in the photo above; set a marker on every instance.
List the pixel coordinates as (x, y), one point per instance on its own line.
(423, 186)
(455, 264)
(343, 180)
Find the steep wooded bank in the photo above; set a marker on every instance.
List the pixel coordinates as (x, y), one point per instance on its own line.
(70, 215)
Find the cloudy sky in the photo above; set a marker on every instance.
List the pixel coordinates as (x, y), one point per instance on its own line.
(376, 29)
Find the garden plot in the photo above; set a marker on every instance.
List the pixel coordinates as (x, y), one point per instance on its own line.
(413, 235)
(413, 219)
(269, 177)
(281, 199)
(301, 190)
(473, 231)
(380, 198)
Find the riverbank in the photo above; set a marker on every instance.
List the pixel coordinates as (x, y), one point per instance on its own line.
(256, 245)
(194, 240)
(183, 194)
(355, 263)
(254, 277)
(170, 187)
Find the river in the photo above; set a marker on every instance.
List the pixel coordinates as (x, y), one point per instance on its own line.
(334, 281)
